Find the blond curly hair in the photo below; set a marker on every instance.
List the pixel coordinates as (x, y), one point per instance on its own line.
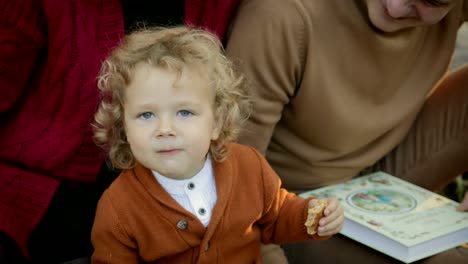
(170, 49)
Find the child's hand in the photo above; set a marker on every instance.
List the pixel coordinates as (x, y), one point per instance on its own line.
(333, 219)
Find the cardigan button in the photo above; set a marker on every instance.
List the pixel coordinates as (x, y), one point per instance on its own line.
(182, 224)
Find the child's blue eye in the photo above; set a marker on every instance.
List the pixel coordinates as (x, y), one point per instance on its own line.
(146, 115)
(185, 113)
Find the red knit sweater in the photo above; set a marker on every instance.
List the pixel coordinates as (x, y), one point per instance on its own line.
(50, 54)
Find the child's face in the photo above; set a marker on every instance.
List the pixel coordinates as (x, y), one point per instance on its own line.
(169, 123)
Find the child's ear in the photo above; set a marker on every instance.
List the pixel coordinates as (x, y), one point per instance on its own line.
(125, 129)
(215, 133)
(216, 129)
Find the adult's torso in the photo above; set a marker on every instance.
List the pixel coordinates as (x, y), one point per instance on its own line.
(357, 93)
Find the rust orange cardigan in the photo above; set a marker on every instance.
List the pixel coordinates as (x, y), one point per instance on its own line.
(138, 221)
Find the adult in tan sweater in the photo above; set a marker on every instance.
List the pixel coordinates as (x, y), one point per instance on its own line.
(172, 107)
(342, 88)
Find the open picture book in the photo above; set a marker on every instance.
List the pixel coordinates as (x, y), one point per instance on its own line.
(396, 217)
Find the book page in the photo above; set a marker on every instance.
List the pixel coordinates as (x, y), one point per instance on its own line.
(395, 208)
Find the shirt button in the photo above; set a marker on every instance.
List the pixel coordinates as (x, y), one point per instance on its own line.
(191, 186)
(207, 246)
(182, 224)
(202, 211)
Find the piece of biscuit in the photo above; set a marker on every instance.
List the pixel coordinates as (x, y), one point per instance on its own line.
(314, 214)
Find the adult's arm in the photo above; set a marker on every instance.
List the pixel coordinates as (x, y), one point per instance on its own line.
(267, 44)
(22, 39)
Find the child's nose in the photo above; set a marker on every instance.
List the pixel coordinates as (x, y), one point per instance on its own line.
(165, 127)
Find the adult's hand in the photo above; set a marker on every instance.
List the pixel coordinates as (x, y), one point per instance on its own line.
(464, 204)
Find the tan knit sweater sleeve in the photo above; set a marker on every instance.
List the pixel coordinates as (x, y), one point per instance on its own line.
(266, 44)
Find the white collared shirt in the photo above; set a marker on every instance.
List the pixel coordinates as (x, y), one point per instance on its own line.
(196, 195)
